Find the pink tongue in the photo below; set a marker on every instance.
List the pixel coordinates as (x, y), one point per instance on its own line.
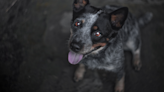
(74, 58)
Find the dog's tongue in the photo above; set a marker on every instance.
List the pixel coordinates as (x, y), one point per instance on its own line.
(74, 58)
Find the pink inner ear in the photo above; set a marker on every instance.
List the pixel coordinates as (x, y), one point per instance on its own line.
(116, 19)
(84, 2)
(80, 3)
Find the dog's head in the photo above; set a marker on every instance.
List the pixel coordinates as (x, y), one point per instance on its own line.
(92, 28)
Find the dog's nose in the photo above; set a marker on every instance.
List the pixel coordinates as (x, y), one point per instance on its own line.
(75, 47)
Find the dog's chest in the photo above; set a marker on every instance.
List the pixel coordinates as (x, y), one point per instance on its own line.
(110, 60)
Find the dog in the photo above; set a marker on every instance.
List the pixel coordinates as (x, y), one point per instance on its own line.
(99, 37)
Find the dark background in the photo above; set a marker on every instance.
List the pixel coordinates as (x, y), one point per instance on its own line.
(33, 48)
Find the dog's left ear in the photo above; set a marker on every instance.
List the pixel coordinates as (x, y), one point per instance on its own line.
(118, 17)
(78, 5)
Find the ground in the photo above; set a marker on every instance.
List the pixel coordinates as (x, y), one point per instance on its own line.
(33, 48)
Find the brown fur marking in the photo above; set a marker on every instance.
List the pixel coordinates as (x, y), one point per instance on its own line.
(84, 2)
(80, 3)
(119, 87)
(107, 39)
(79, 73)
(95, 27)
(116, 19)
(83, 21)
(98, 44)
(137, 62)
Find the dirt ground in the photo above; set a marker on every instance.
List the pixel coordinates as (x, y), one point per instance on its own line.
(33, 48)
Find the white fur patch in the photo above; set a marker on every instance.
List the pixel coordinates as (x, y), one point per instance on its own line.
(97, 51)
(137, 51)
(130, 44)
(89, 21)
(109, 68)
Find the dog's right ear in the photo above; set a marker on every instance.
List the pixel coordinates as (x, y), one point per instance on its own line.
(78, 5)
(118, 17)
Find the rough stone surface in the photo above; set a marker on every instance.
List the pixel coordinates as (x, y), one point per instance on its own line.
(33, 48)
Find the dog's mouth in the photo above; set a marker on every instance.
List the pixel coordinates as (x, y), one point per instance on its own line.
(75, 58)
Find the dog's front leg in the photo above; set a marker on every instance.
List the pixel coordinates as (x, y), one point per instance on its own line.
(79, 73)
(119, 86)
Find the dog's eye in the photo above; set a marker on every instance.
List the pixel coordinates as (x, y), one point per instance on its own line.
(98, 34)
(77, 24)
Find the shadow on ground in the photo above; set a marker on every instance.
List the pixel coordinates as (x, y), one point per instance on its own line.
(33, 49)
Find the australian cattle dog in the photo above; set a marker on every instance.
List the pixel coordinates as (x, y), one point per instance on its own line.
(99, 37)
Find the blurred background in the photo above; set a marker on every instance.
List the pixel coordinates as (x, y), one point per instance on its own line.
(33, 48)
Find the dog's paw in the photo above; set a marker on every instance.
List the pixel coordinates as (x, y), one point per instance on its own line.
(79, 73)
(119, 90)
(119, 87)
(78, 76)
(137, 62)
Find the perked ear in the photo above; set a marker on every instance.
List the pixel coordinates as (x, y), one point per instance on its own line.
(118, 17)
(79, 4)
